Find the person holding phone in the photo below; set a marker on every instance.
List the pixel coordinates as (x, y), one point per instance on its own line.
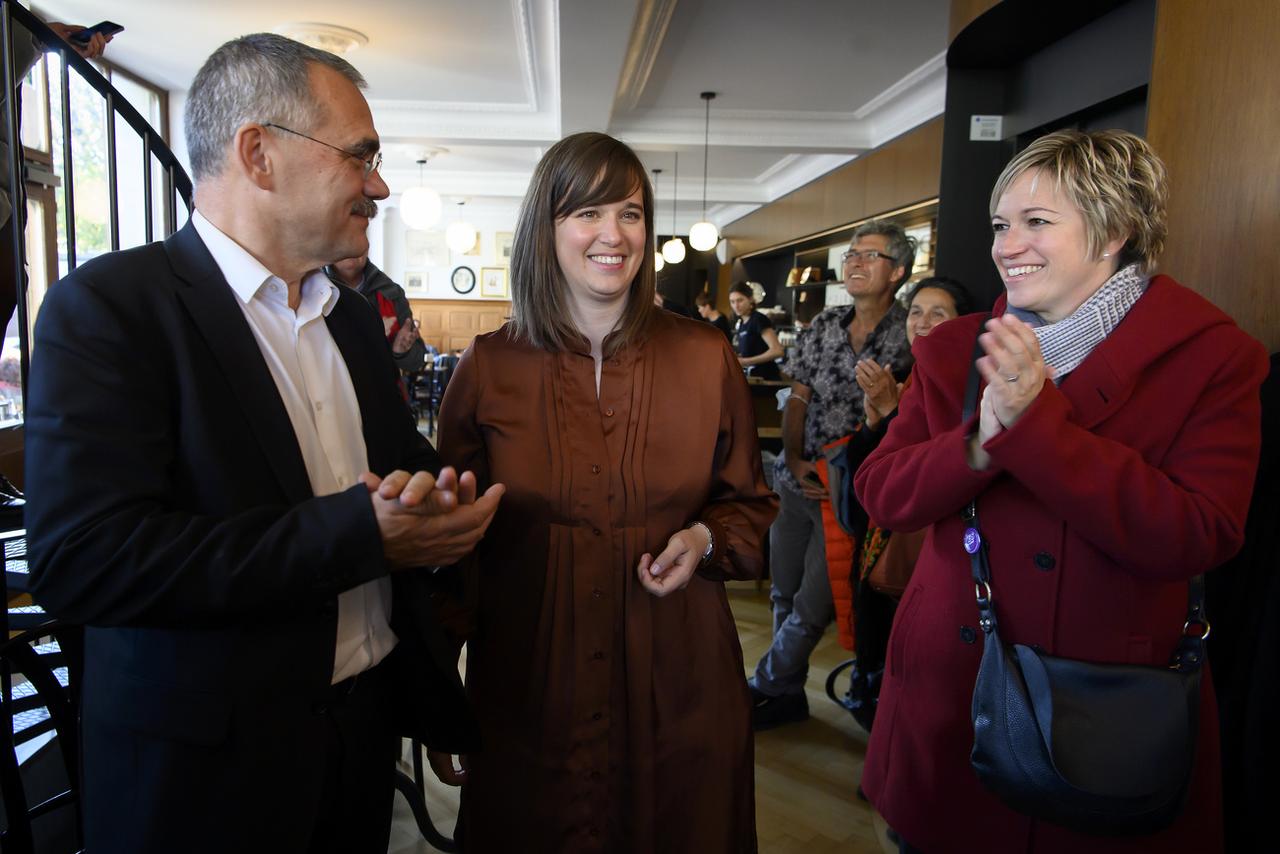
(392, 306)
(825, 402)
(26, 51)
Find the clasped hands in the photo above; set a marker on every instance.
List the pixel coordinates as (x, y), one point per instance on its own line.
(427, 520)
(1014, 371)
(880, 391)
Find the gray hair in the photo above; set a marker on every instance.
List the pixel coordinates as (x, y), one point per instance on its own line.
(256, 78)
(899, 246)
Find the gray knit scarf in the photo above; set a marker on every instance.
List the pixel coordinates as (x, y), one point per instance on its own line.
(1069, 342)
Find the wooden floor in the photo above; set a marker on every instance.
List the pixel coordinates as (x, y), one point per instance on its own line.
(806, 773)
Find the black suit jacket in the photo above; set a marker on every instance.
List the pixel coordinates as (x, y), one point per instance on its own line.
(170, 511)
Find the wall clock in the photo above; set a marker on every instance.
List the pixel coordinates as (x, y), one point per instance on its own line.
(463, 279)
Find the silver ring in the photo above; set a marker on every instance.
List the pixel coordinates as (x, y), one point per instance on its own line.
(1012, 379)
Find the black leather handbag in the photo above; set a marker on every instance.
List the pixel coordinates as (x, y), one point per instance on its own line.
(1102, 749)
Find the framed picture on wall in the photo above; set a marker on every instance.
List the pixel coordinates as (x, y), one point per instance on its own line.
(425, 249)
(415, 280)
(502, 246)
(493, 282)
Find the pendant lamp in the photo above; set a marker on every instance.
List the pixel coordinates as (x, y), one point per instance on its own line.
(460, 235)
(704, 235)
(673, 249)
(420, 206)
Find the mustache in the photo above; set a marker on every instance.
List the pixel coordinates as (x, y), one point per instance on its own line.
(366, 208)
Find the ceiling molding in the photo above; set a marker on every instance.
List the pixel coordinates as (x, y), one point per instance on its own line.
(909, 112)
(472, 185)
(802, 171)
(809, 134)
(647, 34)
(722, 215)
(525, 46)
(925, 75)
(777, 167)
(377, 104)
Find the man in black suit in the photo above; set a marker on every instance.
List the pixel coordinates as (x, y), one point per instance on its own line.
(218, 466)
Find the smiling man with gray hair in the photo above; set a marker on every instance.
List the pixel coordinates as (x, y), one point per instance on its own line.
(219, 489)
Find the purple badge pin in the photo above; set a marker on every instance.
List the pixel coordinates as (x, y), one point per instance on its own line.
(972, 540)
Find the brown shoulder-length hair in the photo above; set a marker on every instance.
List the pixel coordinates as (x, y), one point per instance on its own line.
(578, 171)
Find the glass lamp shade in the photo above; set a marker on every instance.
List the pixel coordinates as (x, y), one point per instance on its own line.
(673, 250)
(420, 207)
(460, 236)
(703, 236)
(658, 262)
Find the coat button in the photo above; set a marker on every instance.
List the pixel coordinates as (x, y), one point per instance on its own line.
(319, 707)
(598, 655)
(1045, 561)
(595, 469)
(609, 412)
(595, 531)
(967, 634)
(597, 593)
(597, 716)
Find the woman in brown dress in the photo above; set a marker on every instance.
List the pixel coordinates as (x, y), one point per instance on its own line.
(604, 665)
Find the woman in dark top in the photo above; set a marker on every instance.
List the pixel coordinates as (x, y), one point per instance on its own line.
(707, 311)
(754, 338)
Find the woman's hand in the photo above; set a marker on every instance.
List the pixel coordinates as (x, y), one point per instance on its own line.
(91, 49)
(806, 474)
(445, 771)
(880, 391)
(1013, 368)
(671, 570)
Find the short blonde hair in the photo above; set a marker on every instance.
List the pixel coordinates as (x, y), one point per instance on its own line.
(1113, 177)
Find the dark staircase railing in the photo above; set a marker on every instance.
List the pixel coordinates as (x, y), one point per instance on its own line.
(154, 151)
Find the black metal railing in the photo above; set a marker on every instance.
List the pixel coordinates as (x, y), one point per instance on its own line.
(154, 152)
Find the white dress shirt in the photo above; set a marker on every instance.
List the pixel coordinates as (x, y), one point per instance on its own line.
(317, 392)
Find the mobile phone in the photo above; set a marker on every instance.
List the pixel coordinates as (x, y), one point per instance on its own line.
(106, 28)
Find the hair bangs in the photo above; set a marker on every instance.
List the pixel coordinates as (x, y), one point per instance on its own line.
(607, 176)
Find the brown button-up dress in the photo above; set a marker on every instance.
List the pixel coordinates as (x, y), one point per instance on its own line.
(612, 720)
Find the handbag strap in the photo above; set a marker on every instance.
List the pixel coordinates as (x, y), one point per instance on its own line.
(1189, 653)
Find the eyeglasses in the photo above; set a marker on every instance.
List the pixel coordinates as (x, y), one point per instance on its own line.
(371, 164)
(868, 257)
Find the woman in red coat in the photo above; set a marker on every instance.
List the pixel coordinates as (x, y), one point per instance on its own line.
(1112, 457)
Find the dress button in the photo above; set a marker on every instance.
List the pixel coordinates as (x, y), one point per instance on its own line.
(1045, 561)
(967, 634)
(595, 469)
(609, 412)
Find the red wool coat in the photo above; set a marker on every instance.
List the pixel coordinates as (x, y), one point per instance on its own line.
(1101, 501)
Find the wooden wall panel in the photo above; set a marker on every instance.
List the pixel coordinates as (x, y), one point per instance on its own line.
(963, 13)
(1214, 116)
(905, 171)
(449, 325)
